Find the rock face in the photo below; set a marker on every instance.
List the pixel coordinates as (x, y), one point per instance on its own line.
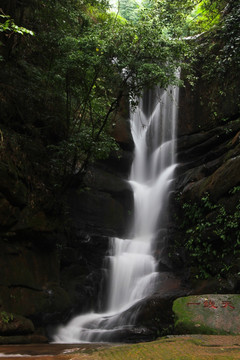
(209, 161)
(30, 279)
(30, 282)
(202, 106)
(102, 205)
(52, 260)
(205, 207)
(207, 314)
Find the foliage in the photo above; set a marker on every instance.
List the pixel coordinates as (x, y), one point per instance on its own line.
(213, 55)
(9, 26)
(128, 9)
(85, 60)
(222, 46)
(209, 232)
(6, 317)
(205, 15)
(65, 84)
(108, 62)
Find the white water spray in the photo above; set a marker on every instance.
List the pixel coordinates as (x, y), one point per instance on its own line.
(133, 270)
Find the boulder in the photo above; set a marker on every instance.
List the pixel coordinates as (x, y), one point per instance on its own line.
(12, 324)
(207, 314)
(151, 316)
(156, 311)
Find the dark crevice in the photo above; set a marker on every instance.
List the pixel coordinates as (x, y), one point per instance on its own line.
(24, 287)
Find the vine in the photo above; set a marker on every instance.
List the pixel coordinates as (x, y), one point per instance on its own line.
(212, 235)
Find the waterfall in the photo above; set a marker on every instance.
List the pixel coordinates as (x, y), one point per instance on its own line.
(132, 266)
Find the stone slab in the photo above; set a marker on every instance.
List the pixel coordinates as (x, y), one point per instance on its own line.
(207, 314)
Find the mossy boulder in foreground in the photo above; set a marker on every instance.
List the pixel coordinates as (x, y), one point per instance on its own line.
(207, 314)
(12, 324)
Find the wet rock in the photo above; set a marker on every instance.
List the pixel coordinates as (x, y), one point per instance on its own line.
(207, 314)
(129, 335)
(155, 312)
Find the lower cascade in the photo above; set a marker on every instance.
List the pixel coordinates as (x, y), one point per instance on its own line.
(132, 267)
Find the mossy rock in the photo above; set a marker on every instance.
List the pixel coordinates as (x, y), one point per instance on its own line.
(207, 314)
(12, 324)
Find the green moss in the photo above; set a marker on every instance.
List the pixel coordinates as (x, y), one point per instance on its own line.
(189, 327)
(180, 308)
(206, 314)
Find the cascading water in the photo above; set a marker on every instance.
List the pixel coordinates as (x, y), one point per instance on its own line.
(133, 268)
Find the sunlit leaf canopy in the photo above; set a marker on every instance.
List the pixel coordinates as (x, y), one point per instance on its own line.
(187, 17)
